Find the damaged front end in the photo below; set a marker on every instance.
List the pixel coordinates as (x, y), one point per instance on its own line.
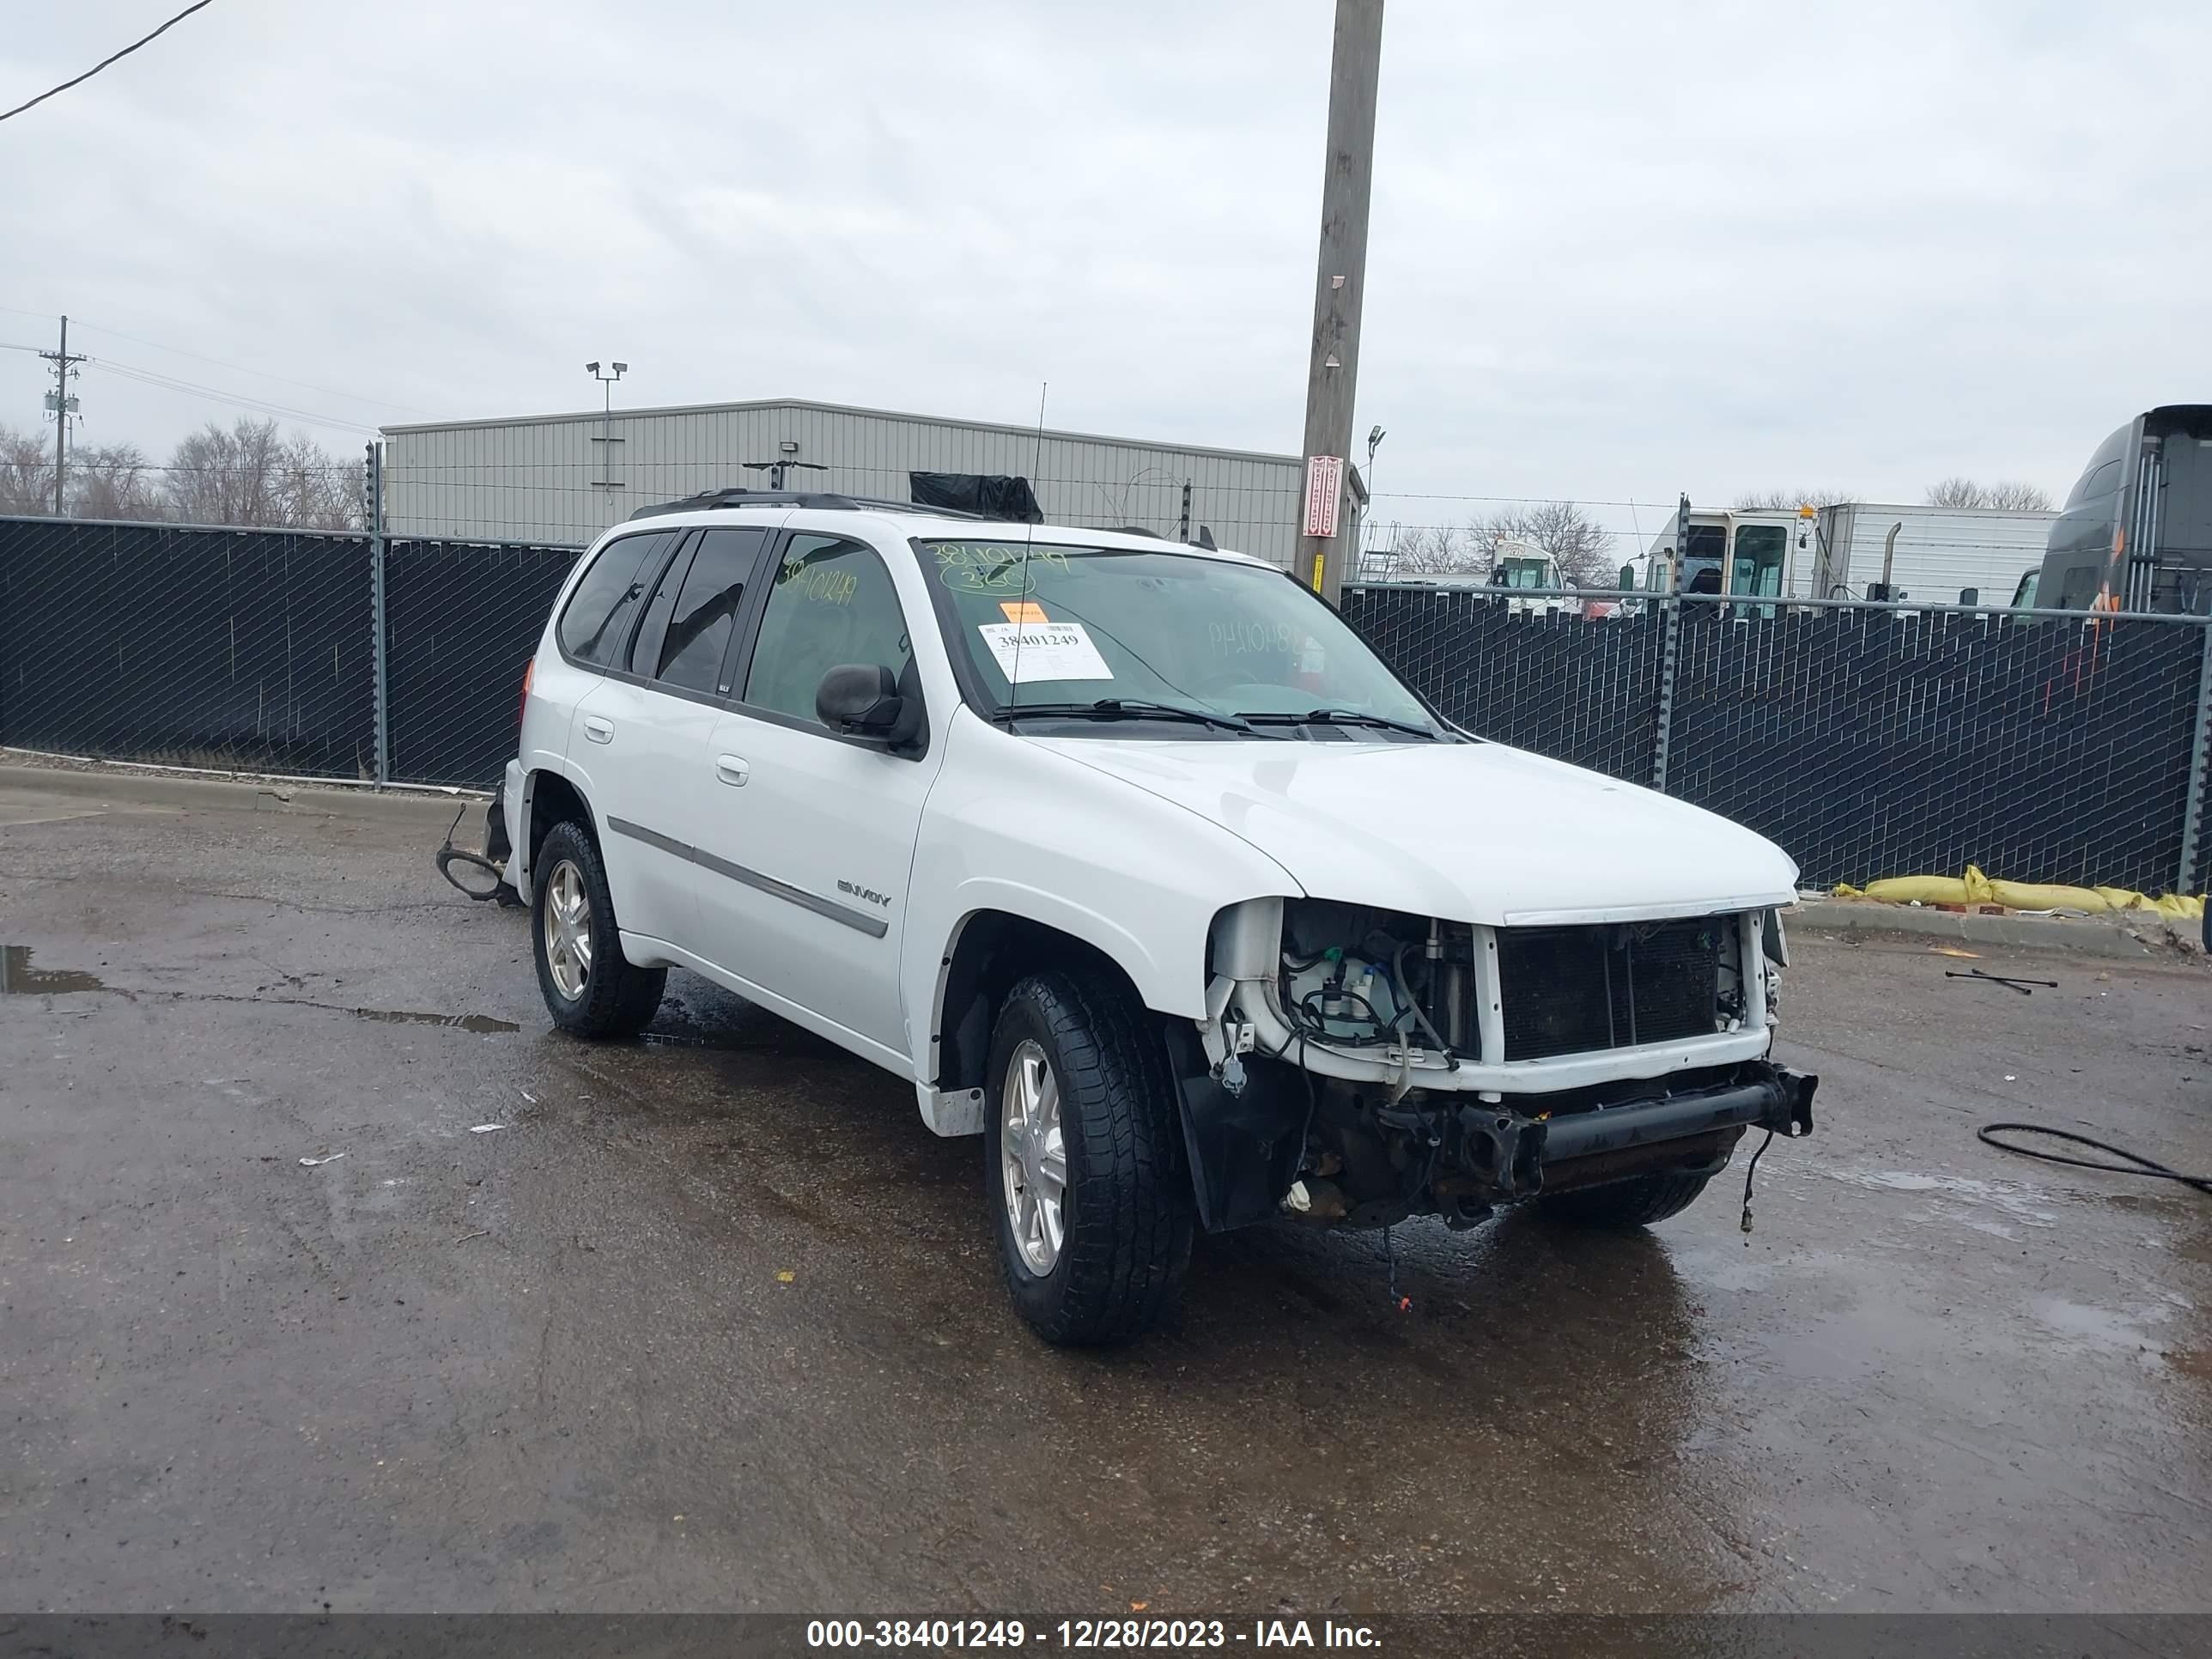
(1362, 1066)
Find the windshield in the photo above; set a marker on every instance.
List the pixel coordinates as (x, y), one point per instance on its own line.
(1520, 573)
(1082, 626)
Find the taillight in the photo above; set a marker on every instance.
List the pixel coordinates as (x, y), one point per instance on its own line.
(529, 672)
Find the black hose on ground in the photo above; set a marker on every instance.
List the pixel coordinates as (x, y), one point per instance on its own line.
(2135, 1163)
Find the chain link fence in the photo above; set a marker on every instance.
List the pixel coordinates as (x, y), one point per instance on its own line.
(1869, 740)
(463, 619)
(227, 649)
(259, 650)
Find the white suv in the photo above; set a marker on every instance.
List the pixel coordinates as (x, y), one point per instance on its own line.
(1138, 862)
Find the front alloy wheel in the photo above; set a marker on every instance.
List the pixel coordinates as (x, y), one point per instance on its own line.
(1033, 1157)
(1084, 1151)
(568, 929)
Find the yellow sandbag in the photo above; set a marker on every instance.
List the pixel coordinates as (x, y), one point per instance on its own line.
(1918, 890)
(2039, 896)
(1973, 888)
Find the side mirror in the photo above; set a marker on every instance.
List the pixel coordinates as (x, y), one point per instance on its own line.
(859, 700)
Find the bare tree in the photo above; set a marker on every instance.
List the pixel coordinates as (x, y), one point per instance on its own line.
(2013, 497)
(113, 481)
(1582, 549)
(315, 489)
(1434, 550)
(1770, 500)
(2017, 497)
(247, 475)
(26, 472)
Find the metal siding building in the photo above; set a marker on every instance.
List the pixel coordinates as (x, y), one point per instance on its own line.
(543, 478)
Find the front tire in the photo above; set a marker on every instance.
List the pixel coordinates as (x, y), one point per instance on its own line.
(1083, 1148)
(1619, 1205)
(591, 988)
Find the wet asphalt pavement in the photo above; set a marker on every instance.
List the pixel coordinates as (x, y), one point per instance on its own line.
(712, 1323)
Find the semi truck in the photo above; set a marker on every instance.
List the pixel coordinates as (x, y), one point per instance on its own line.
(2136, 534)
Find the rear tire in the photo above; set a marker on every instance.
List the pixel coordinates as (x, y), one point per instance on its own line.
(1637, 1202)
(1123, 1204)
(590, 988)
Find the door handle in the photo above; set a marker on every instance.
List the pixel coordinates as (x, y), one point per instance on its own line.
(598, 730)
(732, 770)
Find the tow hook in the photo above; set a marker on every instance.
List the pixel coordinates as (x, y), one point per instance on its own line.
(1796, 1113)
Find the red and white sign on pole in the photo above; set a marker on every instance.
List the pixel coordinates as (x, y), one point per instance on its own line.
(1324, 485)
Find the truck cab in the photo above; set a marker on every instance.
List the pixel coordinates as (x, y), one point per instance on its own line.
(1746, 552)
(2135, 533)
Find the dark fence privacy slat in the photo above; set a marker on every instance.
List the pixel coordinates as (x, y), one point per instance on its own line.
(238, 649)
(464, 619)
(1868, 744)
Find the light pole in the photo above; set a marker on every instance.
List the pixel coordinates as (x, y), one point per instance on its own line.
(1375, 437)
(606, 438)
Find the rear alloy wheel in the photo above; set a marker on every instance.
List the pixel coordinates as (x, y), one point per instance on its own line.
(590, 988)
(1083, 1154)
(568, 929)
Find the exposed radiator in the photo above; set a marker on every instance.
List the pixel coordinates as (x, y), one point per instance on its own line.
(1570, 990)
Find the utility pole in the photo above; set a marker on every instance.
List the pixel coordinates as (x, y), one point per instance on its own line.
(1332, 371)
(64, 406)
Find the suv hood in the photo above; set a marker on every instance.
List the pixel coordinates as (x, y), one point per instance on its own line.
(1466, 832)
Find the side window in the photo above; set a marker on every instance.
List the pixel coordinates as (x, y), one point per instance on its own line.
(2080, 587)
(706, 611)
(597, 622)
(645, 649)
(832, 602)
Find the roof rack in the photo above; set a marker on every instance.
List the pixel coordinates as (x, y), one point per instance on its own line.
(743, 497)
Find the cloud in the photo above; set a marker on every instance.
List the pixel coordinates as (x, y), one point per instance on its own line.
(1618, 251)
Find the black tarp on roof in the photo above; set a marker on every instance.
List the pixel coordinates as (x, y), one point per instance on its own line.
(991, 495)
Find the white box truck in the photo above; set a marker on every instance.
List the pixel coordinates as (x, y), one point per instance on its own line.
(1937, 555)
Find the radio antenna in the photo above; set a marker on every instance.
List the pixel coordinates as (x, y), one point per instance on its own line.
(1022, 601)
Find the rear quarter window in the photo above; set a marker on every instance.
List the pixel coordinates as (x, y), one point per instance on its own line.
(595, 627)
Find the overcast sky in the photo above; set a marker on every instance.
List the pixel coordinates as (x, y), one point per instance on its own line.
(1619, 250)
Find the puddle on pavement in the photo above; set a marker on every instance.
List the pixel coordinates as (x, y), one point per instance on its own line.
(19, 978)
(2014, 1200)
(482, 1025)
(2105, 1330)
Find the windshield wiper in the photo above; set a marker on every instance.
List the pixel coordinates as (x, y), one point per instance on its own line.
(1129, 708)
(1341, 717)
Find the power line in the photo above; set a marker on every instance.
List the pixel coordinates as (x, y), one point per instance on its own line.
(238, 400)
(197, 5)
(236, 369)
(239, 369)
